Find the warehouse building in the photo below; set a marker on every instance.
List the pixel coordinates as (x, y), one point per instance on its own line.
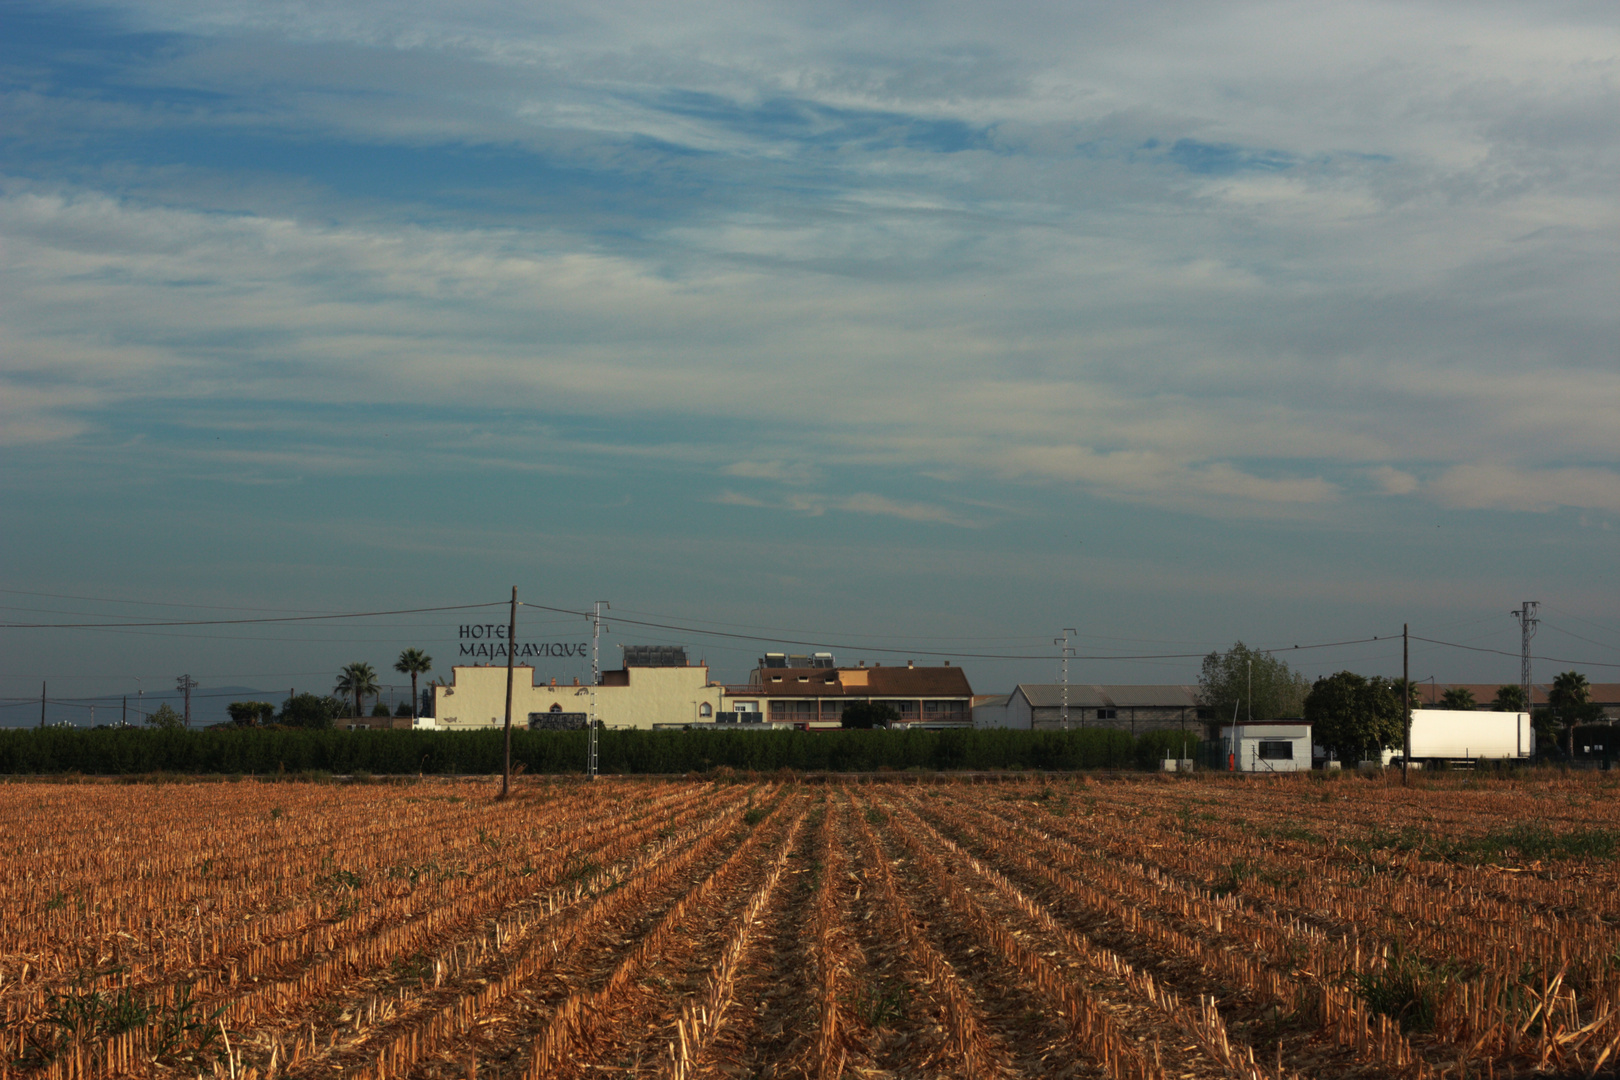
(1604, 695)
(1121, 707)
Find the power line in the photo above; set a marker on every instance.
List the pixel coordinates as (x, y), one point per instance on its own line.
(1577, 637)
(846, 646)
(239, 622)
(1504, 652)
(144, 603)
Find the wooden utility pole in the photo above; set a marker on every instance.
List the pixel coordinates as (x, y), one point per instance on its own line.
(511, 636)
(1406, 706)
(186, 683)
(42, 703)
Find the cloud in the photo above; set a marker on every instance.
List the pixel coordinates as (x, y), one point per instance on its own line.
(1505, 487)
(1392, 481)
(780, 471)
(817, 505)
(1155, 262)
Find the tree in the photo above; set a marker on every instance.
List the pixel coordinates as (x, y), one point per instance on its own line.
(870, 714)
(166, 718)
(311, 711)
(250, 713)
(1569, 688)
(1226, 681)
(1458, 697)
(357, 679)
(1355, 716)
(379, 709)
(413, 662)
(1510, 698)
(1570, 701)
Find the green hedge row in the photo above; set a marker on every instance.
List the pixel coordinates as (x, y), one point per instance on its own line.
(260, 751)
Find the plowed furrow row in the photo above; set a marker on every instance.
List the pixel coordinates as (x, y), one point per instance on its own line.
(455, 1010)
(1133, 925)
(569, 1038)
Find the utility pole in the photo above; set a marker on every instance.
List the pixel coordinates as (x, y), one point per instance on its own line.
(1406, 705)
(596, 679)
(42, 703)
(511, 637)
(1065, 654)
(123, 720)
(186, 683)
(1527, 630)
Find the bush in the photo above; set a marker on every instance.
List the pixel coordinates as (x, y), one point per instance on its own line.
(379, 709)
(866, 715)
(291, 751)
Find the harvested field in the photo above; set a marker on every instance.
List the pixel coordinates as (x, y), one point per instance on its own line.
(1146, 928)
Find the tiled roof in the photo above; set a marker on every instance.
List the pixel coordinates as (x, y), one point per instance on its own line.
(1485, 693)
(872, 682)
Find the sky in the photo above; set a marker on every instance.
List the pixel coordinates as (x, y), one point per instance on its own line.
(915, 330)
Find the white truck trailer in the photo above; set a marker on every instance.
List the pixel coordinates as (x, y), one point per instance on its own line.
(1466, 735)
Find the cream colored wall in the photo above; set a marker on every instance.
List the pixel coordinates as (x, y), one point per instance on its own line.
(476, 698)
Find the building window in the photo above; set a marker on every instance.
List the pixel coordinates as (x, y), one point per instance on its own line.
(705, 710)
(1107, 714)
(1276, 750)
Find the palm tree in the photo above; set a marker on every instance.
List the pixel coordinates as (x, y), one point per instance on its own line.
(413, 662)
(1457, 697)
(1569, 688)
(357, 679)
(1510, 698)
(1569, 692)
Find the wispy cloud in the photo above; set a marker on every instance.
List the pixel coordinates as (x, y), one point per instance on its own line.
(1503, 487)
(815, 505)
(888, 268)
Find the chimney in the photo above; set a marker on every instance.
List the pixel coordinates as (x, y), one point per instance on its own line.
(910, 664)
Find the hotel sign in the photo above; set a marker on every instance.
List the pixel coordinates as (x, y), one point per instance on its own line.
(488, 641)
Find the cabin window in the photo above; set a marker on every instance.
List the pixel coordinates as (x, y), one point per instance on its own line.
(1276, 750)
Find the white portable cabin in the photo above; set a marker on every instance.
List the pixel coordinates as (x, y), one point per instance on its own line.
(1267, 746)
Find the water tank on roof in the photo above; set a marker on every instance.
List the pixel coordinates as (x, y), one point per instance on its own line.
(654, 656)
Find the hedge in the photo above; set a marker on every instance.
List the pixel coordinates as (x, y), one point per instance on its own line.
(122, 751)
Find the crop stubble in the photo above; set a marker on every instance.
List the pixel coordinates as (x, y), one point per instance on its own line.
(1144, 929)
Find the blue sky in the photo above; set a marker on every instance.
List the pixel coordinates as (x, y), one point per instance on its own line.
(912, 326)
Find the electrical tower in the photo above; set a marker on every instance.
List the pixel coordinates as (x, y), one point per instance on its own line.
(596, 679)
(1526, 615)
(185, 684)
(1066, 652)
